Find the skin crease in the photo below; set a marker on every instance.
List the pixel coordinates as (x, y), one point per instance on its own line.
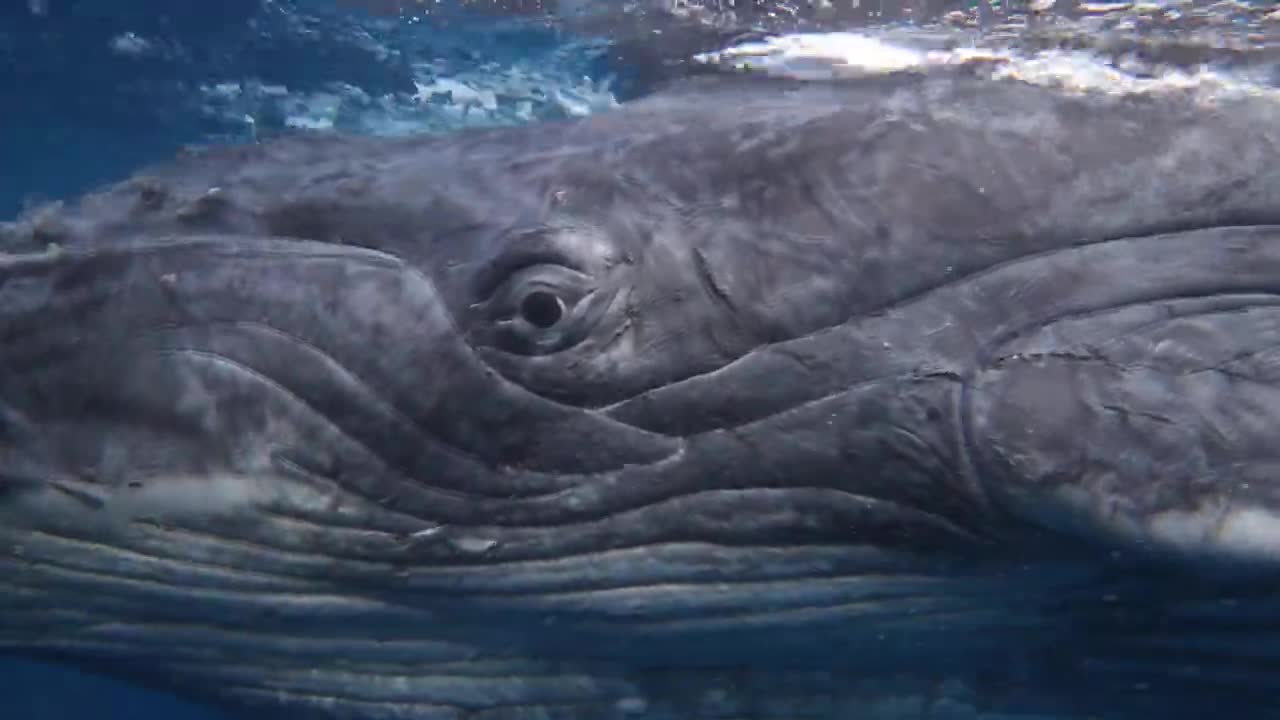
(905, 397)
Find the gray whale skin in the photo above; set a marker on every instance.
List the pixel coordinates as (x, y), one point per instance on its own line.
(919, 397)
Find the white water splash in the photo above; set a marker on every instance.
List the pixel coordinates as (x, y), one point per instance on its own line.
(842, 55)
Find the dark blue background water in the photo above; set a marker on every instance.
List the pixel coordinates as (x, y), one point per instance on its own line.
(32, 691)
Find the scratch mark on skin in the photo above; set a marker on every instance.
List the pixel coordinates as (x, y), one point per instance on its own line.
(1129, 412)
(720, 296)
(713, 287)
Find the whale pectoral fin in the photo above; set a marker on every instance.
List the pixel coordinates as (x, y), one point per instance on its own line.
(1162, 436)
(1147, 439)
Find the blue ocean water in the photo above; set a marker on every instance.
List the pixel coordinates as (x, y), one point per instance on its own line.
(36, 691)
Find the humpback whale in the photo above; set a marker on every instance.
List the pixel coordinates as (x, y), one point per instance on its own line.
(923, 395)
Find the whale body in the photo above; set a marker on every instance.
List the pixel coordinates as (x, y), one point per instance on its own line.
(921, 396)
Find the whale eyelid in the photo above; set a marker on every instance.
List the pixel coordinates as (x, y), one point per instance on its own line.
(519, 251)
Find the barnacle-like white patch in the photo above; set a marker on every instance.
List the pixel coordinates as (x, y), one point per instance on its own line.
(1249, 533)
(1216, 528)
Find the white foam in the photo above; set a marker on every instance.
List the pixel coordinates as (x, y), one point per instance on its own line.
(445, 97)
(846, 55)
(820, 56)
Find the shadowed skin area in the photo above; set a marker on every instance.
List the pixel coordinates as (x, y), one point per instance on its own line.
(913, 397)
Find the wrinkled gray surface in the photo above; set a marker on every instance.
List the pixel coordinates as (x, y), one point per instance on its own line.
(829, 356)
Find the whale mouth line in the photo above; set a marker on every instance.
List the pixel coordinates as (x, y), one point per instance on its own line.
(208, 243)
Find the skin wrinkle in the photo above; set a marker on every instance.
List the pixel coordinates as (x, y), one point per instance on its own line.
(919, 606)
(361, 383)
(392, 261)
(516, 387)
(620, 517)
(1254, 302)
(656, 502)
(458, 452)
(238, 367)
(1171, 307)
(989, 355)
(144, 586)
(450, 575)
(216, 572)
(424, 433)
(279, 575)
(67, 259)
(987, 348)
(783, 412)
(304, 647)
(676, 495)
(835, 587)
(735, 606)
(583, 520)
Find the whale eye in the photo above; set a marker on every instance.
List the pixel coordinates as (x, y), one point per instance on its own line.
(542, 309)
